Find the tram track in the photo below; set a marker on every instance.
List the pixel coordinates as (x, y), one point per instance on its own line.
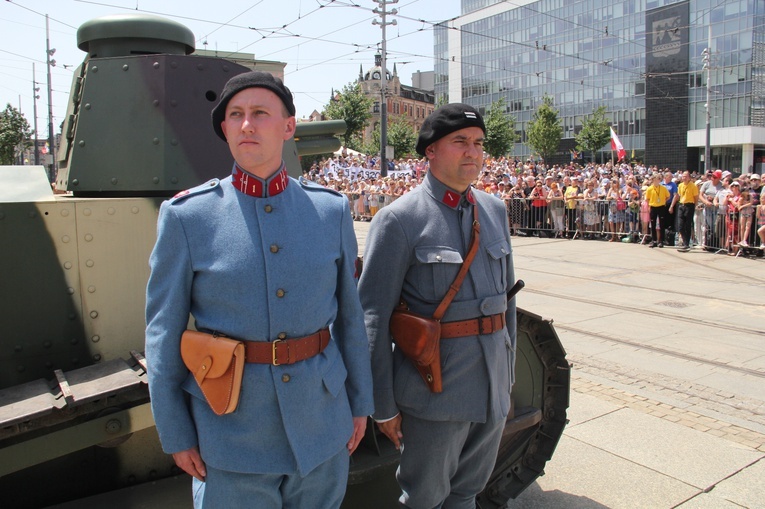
(650, 312)
(638, 287)
(663, 351)
(667, 253)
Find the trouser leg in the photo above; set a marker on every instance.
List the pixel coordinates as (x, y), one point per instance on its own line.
(476, 464)
(652, 225)
(685, 219)
(663, 222)
(322, 488)
(445, 464)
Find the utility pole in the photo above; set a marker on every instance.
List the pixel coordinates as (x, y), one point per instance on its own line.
(35, 97)
(51, 141)
(706, 57)
(383, 81)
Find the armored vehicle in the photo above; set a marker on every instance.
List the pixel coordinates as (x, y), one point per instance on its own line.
(76, 429)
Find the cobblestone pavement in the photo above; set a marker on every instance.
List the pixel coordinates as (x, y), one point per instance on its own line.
(698, 402)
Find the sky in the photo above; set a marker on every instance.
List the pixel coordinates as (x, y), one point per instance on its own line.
(323, 42)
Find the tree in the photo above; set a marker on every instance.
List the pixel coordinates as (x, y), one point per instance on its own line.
(500, 130)
(544, 132)
(354, 107)
(15, 135)
(401, 137)
(594, 133)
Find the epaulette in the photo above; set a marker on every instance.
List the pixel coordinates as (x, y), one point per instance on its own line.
(202, 188)
(313, 186)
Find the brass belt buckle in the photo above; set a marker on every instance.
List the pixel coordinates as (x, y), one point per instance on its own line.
(274, 360)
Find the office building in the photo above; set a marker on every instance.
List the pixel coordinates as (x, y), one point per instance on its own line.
(642, 59)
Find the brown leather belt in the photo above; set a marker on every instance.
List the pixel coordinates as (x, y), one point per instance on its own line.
(473, 327)
(286, 351)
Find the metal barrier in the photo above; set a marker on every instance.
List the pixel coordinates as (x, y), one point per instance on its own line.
(724, 230)
(365, 205)
(588, 219)
(713, 229)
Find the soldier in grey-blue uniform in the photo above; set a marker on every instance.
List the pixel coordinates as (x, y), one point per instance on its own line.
(414, 249)
(261, 257)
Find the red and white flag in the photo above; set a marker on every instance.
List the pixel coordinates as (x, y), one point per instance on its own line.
(616, 145)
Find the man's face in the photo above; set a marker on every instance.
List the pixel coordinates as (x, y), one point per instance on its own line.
(686, 177)
(256, 126)
(457, 158)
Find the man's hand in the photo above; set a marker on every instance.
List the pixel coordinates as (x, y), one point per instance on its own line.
(392, 430)
(359, 425)
(190, 461)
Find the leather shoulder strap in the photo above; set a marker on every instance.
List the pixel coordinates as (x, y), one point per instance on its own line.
(457, 284)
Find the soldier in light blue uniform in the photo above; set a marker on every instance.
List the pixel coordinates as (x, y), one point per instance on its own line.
(260, 257)
(414, 250)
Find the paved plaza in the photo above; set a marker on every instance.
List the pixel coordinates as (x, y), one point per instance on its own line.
(668, 380)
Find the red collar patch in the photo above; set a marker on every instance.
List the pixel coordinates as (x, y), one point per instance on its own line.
(253, 186)
(452, 199)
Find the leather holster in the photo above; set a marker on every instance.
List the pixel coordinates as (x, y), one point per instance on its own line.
(419, 338)
(217, 364)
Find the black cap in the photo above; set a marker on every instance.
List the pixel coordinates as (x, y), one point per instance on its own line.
(445, 120)
(245, 80)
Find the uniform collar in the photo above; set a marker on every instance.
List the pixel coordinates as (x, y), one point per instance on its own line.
(449, 197)
(251, 185)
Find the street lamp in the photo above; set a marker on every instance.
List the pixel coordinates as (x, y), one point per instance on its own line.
(705, 57)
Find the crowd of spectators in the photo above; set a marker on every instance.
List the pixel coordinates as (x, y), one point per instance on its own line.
(623, 202)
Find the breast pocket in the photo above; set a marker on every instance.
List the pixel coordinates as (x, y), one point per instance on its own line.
(499, 252)
(437, 267)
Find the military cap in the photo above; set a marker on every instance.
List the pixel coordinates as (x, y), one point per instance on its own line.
(445, 120)
(252, 79)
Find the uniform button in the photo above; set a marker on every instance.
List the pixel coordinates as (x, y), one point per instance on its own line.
(282, 335)
(438, 257)
(280, 293)
(285, 378)
(268, 208)
(274, 248)
(504, 251)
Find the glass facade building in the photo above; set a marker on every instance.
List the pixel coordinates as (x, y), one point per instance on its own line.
(641, 59)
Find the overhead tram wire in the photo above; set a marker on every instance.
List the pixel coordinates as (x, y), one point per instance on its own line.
(340, 4)
(40, 14)
(227, 23)
(550, 47)
(594, 29)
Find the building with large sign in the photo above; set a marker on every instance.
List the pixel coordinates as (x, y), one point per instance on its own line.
(642, 59)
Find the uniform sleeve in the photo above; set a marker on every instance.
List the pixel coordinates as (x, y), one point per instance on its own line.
(386, 259)
(168, 298)
(348, 328)
(510, 316)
